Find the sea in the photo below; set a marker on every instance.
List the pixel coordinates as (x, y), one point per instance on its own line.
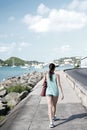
(9, 71)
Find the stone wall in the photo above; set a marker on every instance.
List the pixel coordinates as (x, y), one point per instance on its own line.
(13, 98)
(79, 89)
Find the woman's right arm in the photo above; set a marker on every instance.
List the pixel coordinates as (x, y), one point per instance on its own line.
(44, 76)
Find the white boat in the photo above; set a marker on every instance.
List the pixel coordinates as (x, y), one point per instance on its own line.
(25, 66)
(13, 64)
(38, 66)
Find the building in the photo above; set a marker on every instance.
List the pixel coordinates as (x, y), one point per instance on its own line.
(84, 62)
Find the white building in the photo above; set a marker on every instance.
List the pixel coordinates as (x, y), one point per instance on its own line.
(84, 62)
(68, 61)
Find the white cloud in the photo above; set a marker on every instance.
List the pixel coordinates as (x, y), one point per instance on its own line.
(30, 19)
(63, 49)
(19, 49)
(7, 47)
(10, 48)
(56, 20)
(3, 35)
(85, 49)
(42, 9)
(11, 34)
(4, 49)
(78, 5)
(19, 46)
(64, 20)
(24, 44)
(74, 4)
(11, 18)
(36, 23)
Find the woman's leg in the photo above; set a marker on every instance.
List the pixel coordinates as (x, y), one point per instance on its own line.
(55, 99)
(50, 104)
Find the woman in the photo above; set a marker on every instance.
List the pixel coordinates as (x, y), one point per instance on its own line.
(52, 92)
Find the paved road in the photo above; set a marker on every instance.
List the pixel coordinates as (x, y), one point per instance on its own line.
(33, 114)
(79, 74)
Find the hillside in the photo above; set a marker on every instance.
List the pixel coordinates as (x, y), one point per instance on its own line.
(1, 62)
(14, 61)
(66, 60)
(17, 62)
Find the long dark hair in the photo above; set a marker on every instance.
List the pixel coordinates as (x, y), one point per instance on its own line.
(51, 70)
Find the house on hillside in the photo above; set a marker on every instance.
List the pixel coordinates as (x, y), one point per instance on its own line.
(68, 61)
(84, 62)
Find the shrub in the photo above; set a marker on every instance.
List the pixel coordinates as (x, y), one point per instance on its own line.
(1, 118)
(17, 88)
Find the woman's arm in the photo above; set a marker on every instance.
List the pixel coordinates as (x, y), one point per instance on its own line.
(59, 84)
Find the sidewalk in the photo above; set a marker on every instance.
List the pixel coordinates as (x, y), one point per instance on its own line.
(31, 114)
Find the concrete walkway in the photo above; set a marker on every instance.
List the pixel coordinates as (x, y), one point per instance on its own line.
(31, 113)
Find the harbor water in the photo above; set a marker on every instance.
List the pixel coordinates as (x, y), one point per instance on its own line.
(8, 71)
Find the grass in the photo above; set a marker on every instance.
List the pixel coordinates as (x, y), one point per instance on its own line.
(17, 88)
(1, 118)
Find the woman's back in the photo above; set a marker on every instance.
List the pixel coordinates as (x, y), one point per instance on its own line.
(52, 88)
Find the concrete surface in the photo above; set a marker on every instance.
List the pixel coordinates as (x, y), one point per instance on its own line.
(31, 113)
(78, 86)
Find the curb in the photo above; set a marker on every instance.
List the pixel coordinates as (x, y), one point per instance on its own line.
(79, 89)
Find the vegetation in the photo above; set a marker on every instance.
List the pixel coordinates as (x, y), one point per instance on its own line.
(17, 88)
(14, 60)
(17, 61)
(1, 118)
(76, 66)
(1, 62)
(9, 106)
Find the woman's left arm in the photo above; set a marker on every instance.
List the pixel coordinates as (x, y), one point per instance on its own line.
(58, 81)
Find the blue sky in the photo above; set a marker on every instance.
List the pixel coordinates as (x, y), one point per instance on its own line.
(43, 30)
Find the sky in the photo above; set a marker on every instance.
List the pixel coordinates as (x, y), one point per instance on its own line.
(43, 30)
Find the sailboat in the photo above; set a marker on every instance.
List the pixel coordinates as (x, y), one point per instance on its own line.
(25, 66)
(13, 64)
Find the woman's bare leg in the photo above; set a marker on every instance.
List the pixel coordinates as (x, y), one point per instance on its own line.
(55, 99)
(50, 104)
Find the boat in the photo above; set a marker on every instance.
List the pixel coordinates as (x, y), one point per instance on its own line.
(13, 64)
(25, 66)
(39, 66)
